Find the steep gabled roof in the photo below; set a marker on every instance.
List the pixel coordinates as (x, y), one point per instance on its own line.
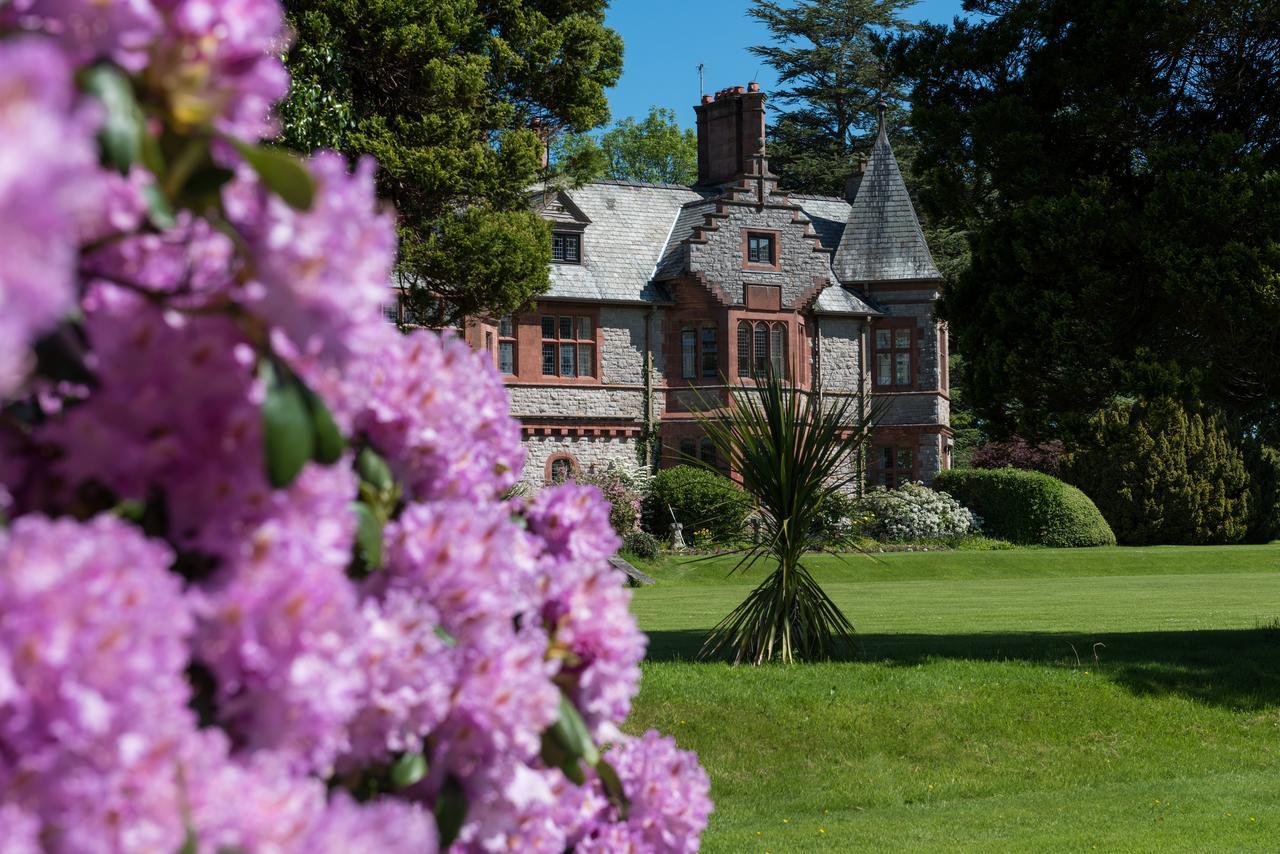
(882, 239)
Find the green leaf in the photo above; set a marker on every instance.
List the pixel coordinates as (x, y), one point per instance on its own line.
(368, 536)
(374, 471)
(159, 210)
(286, 427)
(408, 769)
(613, 787)
(202, 188)
(556, 756)
(328, 438)
(443, 634)
(451, 811)
(189, 845)
(283, 173)
(122, 126)
(568, 741)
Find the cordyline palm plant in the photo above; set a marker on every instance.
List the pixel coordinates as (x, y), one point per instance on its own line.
(794, 450)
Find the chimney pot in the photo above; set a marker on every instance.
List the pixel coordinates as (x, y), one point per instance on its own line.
(731, 134)
(753, 86)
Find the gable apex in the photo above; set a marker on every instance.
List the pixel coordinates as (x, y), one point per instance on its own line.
(559, 208)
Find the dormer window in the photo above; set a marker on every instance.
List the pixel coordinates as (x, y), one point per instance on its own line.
(566, 247)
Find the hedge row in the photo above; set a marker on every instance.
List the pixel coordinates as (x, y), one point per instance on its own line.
(1028, 507)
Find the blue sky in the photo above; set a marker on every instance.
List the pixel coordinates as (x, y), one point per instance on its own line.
(666, 39)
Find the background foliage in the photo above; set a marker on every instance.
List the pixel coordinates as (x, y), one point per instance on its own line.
(655, 150)
(445, 94)
(830, 61)
(1163, 475)
(1114, 162)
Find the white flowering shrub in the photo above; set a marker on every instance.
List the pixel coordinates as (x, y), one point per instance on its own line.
(914, 512)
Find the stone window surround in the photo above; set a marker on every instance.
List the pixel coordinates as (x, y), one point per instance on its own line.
(700, 351)
(776, 234)
(559, 340)
(528, 341)
(575, 468)
(898, 474)
(513, 339)
(893, 324)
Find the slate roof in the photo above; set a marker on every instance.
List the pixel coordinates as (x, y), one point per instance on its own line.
(635, 232)
(629, 226)
(837, 300)
(828, 215)
(882, 240)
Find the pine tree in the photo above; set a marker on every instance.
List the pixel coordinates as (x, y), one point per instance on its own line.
(830, 56)
(1162, 475)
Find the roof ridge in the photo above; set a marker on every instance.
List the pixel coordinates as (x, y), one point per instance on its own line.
(657, 185)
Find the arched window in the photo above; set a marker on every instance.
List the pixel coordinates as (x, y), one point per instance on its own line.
(744, 348)
(778, 349)
(760, 350)
(561, 468)
(707, 451)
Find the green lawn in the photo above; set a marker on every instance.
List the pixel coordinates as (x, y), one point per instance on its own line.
(979, 718)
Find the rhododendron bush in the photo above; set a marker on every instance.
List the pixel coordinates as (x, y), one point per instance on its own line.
(259, 589)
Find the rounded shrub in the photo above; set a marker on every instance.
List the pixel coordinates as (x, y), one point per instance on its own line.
(1028, 507)
(914, 513)
(642, 544)
(700, 499)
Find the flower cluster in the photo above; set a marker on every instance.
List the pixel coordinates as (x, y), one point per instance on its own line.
(261, 587)
(624, 487)
(914, 512)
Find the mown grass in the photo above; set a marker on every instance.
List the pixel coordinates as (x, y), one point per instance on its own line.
(1127, 699)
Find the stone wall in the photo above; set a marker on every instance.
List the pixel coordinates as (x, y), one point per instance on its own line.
(589, 452)
(719, 259)
(622, 356)
(840, 347)
(532, 402)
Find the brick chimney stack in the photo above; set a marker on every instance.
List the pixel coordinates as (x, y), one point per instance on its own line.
(730, 133)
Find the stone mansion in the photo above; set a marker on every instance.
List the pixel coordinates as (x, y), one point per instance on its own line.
(660, 294)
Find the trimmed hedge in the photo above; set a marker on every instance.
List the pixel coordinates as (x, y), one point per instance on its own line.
(700, 499)
(1028, 507)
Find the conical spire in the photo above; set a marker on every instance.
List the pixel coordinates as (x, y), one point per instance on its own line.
(882, 240)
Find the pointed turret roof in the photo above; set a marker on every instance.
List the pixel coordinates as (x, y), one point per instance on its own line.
(882, 240)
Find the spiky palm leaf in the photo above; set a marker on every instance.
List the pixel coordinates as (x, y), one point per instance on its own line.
(793, 450)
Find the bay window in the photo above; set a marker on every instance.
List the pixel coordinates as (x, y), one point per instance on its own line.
(762, 347)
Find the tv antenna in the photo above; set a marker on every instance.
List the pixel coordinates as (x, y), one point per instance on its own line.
(702, 89)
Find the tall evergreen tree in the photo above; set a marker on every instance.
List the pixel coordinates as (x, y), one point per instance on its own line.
(1117, 164)
(830, 56)
(1161, 475)
(451, 97)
